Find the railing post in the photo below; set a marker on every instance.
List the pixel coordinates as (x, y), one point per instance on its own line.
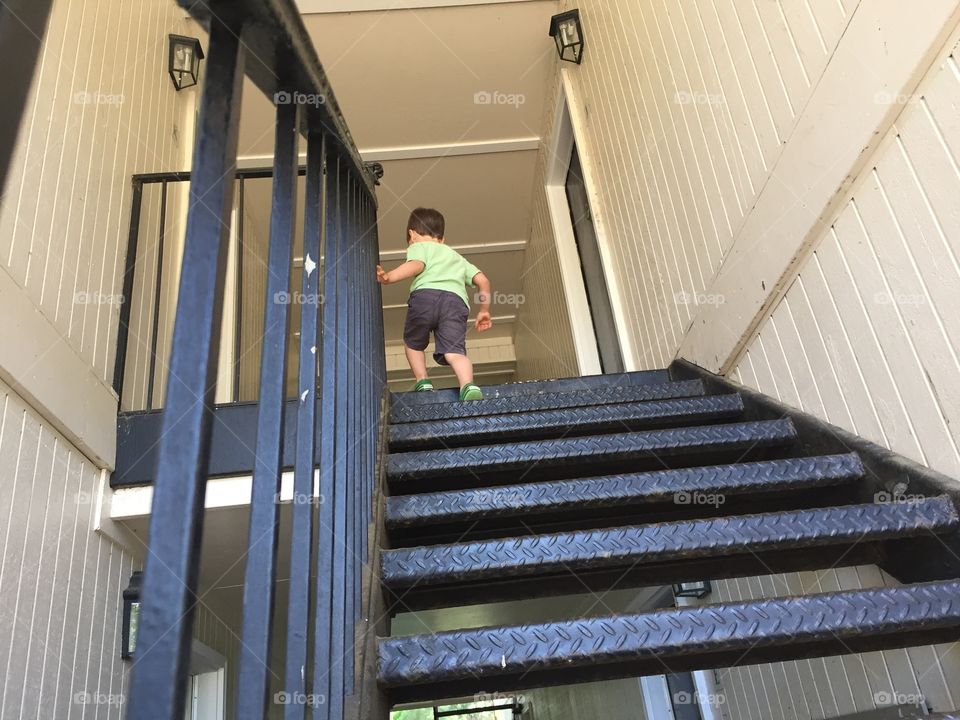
(326, 658)
(157, 296)
(341, 430)
(129, 273)
(160, 668)
(261, 564)
(302, 536)
(23, 24)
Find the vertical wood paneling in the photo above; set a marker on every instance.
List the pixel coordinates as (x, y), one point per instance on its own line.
(543, 340)
(867, 338)
(60, 581)
(213, 632)
(828, 687)
(93, 119)
(687, 107)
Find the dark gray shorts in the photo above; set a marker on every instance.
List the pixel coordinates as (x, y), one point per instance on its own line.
(442, 313)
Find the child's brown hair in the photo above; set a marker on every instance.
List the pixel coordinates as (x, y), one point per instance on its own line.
(428, 222)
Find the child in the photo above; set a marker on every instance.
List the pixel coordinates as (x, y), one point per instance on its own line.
(438, 301)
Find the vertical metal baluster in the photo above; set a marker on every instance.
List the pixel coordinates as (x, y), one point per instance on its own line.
(376, 319)
(352, 476)
(325, 648)
(157, 293)
(23, 24)
(301, 540)
(339, 589)
(370, 319)
(238, 297)
(261, 561)
(358, 480)
(159, 671)
(129, 274)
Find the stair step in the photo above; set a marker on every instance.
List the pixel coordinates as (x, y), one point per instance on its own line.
(571, 454)
(463, 662)
(624, 547)
(564, 423)
(403, 411)
(659, 486)
(586, 382)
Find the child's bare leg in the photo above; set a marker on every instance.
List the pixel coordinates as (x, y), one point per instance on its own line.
(461, 366)
(417, 361)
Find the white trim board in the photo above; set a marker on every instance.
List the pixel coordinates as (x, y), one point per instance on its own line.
(416, 152)
(571, 274)
(579, 127)
(319, 7)
(43, 368)
(221, 492)
(473, 249)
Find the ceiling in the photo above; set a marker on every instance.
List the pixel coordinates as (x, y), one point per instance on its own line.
(408, 81)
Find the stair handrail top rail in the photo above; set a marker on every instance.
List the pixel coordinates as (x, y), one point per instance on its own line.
(273, 32)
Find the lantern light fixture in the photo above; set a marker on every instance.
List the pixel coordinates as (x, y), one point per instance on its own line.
(696, 589)
(567, 32)
(184, 61)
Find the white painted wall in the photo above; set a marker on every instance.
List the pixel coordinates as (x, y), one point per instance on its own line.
(683, 111)
(867, 336)
(100, 109)
(830, 687)
(60, 581)
(543, 336)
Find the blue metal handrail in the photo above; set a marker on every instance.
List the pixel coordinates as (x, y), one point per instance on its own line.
(266, 40)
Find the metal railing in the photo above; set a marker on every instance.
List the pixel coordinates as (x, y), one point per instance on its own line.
(149, 290)
(341, 343)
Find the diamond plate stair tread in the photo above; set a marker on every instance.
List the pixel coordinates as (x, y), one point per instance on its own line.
(624, 446)
(618, 490)
(558, 422)
(404, 412)
(786, 623)
(662, 542)
(536, 387)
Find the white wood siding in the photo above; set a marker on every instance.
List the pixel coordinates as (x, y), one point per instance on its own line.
(867, 336)
(101, 108)
(828, 687)
(688, 105)
(60, 581)
(213, 632)
(543, 338)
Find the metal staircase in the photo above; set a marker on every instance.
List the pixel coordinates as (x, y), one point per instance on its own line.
(647, 479)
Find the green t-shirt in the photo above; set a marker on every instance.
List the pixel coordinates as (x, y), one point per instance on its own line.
(444, 268)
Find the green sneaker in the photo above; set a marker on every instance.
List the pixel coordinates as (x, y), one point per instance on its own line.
(423, 386)
(471, 392)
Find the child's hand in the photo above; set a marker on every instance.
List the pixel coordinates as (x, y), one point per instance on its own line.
(383, 277)
(483, 321)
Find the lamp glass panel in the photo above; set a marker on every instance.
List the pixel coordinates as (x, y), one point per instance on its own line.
(134, 626)
(568, 31)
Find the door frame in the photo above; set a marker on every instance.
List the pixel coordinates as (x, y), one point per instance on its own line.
(567, 130)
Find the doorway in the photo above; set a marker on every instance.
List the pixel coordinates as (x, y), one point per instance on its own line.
(588, 291)
(591, 266)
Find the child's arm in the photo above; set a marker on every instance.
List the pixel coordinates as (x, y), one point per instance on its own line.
(407, 270)
(482, 283)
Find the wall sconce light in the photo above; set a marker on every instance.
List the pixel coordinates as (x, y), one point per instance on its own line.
(566, 30)
(131, 615)
(184, 61)
(697, 589)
